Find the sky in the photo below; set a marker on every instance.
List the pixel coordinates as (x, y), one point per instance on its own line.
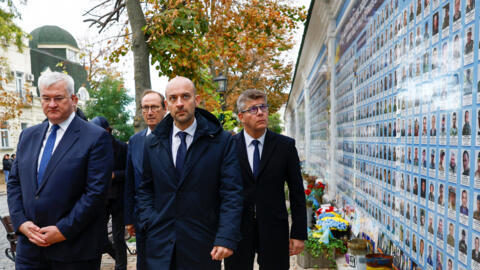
(67, 14)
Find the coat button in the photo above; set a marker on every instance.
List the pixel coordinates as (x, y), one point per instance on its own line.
(36, 197)
(171, 242)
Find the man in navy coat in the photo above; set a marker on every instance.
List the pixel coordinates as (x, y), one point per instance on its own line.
(190, 200)
(153, 111)
(57, 188)
(268, 161)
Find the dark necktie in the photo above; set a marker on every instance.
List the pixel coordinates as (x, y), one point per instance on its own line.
(181, 153)
(256, 158)
(47, 153)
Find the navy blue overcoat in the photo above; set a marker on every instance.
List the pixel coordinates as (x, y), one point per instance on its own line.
(198, 211)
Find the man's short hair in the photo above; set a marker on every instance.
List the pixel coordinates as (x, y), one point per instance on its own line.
(49, 78)
(250, 94)
(150, 91)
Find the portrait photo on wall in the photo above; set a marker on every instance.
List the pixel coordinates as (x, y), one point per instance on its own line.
(457, 13)
(435, 24)
(451, 234)
(441, 194)
(446, 16)
(465, 163)
(464, 203)
(452, 198)
(453, 128)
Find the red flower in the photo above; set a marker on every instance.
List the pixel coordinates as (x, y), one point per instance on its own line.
(310, 186)
(308, 191)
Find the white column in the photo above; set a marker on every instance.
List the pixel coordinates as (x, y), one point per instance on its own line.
(333, 126)
(306, 94)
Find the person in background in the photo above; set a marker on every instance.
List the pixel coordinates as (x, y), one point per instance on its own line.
(7, 165)
(268, 161)
(153, 111)
(115, 197)
(56, 189)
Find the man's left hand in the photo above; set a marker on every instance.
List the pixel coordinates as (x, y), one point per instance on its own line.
(219, 253)
(296, 246)
(52, 234)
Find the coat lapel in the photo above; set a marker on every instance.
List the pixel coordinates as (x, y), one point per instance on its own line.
(268, 148)
(137, 151)
(39, 135)
(69, 138)
(243, 155)
(197, 153)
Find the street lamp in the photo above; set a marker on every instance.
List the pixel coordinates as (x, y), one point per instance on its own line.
(222, 83)
(222, 88)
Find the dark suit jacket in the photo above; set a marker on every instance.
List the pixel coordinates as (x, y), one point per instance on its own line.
(116, 186)
(133, 175)
(279, 163)
(197, 211)
(71, 195)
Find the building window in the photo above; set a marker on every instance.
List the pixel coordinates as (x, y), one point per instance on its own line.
(19, 83)
(4, 140)
(72, 55)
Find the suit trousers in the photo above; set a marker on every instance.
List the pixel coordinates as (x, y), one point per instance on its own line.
(42, 263)
(117, 249)
(140, 248)
(243, 258)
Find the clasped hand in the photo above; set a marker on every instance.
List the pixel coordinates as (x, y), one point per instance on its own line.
(42, 237)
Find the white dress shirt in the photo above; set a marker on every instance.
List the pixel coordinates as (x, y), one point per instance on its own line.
(176, 139)
(148, 131)
(251, 147)
(62, 127)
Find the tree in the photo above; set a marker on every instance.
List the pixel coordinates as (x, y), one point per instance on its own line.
(244, 40)
(198, 39)
(275, 123)
(10, 103)
(110, 100)
(138, 44)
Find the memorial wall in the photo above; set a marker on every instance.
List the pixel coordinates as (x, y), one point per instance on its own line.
(406, 129)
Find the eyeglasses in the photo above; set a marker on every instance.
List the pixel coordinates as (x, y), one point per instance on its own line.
(55, 99)
(254, 109)
(154, 108)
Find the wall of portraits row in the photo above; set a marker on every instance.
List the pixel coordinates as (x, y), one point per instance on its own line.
(407, 126)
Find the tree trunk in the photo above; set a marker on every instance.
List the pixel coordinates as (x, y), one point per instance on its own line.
(141, 61)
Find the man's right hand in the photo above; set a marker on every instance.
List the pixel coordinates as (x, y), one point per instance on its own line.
(32, 232)
(130, 229)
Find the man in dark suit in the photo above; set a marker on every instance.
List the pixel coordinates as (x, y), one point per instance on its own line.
(57, 188)
(190, 197)
(267, 160)
(115, 198)
(153, 111)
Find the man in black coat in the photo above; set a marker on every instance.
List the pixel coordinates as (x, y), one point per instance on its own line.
(115, 196)
(267, 160)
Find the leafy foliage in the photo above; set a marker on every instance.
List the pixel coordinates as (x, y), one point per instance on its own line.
(110, 100)
(317, 248)
(10, 103)
(275, 123)
(243, 39)
(227, 119)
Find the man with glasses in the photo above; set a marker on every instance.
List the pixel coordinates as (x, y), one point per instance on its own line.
(57, 187)
(268, 161)
(190, 197)
(153, 111)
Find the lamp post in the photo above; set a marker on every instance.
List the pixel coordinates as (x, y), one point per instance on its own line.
(222, 88)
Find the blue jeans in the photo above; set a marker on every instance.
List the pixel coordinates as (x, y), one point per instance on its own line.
(6, 175)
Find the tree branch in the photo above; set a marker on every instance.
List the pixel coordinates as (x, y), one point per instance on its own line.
(105, 19)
